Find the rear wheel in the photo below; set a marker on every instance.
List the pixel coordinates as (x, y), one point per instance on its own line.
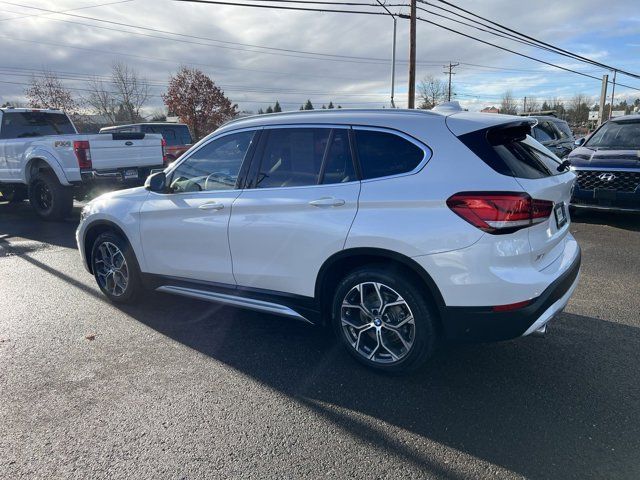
(115, 268)
(383, 320)
(50, 199)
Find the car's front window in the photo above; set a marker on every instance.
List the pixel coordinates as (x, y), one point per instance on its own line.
(214, 166)
(617, 135)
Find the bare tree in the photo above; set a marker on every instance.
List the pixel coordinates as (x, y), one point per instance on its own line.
(131, 91)
(531, 105)
(102, 99)
(122, 97)
(432, 91)
(47, 91)
(578, 111)
(509, 105)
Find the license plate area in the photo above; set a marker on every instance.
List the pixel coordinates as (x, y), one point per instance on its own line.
(605, 194)
(130, 174)
(560, 213)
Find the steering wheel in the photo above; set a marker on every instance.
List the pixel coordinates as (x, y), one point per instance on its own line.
(189, 185)
(219, 177)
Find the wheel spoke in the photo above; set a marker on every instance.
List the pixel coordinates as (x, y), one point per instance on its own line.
(394, 357)
(374, 351)
(357, 346)
(392, 304)
(111, 269)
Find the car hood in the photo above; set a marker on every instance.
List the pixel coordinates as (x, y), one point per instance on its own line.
(605, 158)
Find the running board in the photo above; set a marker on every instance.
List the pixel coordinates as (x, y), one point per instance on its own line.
(242, 302)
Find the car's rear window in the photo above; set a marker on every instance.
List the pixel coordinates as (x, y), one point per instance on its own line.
(382, 154)
(173, 134)
(510, 150)
(617, 135)
(34, 124)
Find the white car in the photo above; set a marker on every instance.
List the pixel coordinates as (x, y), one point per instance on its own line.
(398, 228)
(42, 156)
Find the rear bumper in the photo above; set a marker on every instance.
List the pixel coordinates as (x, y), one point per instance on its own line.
(483, 324)
(606, 200)
(116, 177)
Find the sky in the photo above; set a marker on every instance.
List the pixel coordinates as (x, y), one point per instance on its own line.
(231, 41)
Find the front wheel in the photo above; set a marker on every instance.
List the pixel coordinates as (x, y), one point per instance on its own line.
(115, 268)
(383, 320)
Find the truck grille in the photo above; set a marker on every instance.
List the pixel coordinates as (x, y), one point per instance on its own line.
(620, 181)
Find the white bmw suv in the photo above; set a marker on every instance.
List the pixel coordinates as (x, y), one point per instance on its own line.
(398, 228)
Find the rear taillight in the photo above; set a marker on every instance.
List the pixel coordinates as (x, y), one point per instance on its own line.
(165, 159)
(499, 212)
(83, 153)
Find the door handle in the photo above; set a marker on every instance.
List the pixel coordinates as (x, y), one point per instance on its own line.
(327, 202)
(211, 206)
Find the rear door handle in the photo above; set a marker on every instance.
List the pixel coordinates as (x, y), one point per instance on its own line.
(211, 206)
(327, 202)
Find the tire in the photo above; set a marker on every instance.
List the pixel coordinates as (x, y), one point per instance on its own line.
(14, 194)
(50, 199)
(368, 334)
(115, 268)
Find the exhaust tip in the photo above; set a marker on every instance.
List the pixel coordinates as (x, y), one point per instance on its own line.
(541, 332)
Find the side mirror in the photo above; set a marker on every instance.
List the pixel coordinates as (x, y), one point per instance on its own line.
(579, 142)
(156, 182)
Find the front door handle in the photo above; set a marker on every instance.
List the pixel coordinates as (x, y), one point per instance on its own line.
(211, 206)
(327, 202)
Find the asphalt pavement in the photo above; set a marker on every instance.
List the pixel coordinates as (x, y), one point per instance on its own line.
(175, 388)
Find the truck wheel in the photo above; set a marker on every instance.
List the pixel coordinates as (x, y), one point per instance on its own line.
(14, 194)
(49, 199)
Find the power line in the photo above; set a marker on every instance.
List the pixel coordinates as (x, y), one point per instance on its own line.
(281, 7)
(64, 11)
(548, 45)
(512, 51)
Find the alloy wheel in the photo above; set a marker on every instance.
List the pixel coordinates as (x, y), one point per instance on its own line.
(377, 322)
(111, 269)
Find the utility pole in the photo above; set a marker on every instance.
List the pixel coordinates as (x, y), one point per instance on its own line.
(411, 103)
(450, 72)
(524, 105)
(613, 92)
(603, 98)
(393, 53)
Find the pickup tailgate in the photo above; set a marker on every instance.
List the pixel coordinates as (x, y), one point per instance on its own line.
(119, 150)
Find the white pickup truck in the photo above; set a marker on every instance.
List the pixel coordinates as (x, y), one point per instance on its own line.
(43, 157)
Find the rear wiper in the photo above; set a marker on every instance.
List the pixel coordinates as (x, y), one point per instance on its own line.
(564, 166)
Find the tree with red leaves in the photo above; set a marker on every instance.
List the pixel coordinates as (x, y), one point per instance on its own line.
(198, 102)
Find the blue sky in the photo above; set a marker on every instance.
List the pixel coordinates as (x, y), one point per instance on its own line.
(255, 77)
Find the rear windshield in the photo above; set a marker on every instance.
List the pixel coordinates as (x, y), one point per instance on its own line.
(173, 134)
(510, 150)
(617, 135)
(34, 124)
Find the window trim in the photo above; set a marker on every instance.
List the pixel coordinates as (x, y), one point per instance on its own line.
(426, 150)
(244, 167)
(256, 163)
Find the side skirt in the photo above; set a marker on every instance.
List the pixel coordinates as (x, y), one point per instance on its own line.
(277, 303)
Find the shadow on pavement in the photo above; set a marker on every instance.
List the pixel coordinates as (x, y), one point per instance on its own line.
(623, 220)
(19, 221)
(565, 406)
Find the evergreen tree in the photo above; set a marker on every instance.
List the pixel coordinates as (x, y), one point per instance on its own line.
(324, 107)
(308, 105)
(339, 106)
(331, 105)
(260, 111)
(276, 107)
(269, 109)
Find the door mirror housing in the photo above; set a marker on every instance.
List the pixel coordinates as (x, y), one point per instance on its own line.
(156, 182)
(579, 142)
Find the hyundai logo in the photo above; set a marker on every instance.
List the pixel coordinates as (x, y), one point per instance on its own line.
(607, 177)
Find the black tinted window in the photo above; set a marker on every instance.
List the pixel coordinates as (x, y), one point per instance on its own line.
(215, 166)
(382, 154)
(338, 164)
(173, 134)
(292, 157)
(563, 127)
(34, 124)
(526, 161)
(546, 132)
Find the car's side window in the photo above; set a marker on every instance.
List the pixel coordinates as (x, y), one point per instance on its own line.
(215, 166)
(382, 154)
(292, 157)
(546, 132)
